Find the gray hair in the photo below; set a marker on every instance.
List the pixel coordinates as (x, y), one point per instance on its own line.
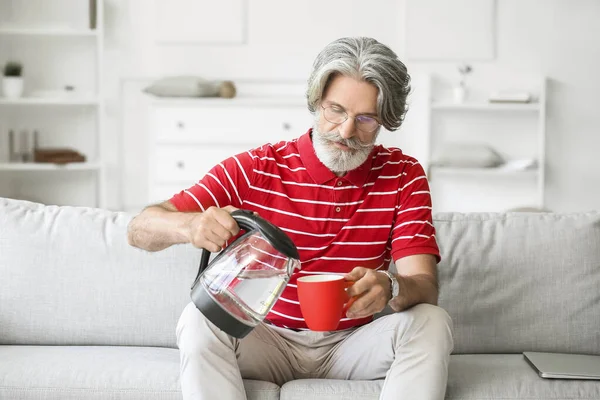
(365, 59)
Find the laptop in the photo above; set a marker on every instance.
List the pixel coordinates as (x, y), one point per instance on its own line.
(564, 366)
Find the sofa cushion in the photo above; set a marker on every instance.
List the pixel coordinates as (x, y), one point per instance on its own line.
(331, 389)
(102, 372)
(470, 377)
(511, 282)
(521, 281)
(508, 376)
(68, 276)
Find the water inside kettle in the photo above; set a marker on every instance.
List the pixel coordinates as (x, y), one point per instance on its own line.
(261, 274)
(252, 296)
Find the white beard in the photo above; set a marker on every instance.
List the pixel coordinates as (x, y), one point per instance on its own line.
(337, 160)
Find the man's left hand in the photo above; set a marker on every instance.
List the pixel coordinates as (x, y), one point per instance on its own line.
(372, 290)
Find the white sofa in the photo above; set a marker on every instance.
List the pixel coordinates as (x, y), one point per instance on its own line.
(84, 315)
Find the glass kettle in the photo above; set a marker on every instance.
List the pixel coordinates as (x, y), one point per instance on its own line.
(240, 286)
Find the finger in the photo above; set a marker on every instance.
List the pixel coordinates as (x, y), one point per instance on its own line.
(220, 232)
(224, 218)
(230, 209)
(356, 273)
(206, 237)
(365, 306)
(363, 284)
(208, 241)
(370, 303)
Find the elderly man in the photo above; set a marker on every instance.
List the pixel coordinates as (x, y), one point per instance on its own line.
(351, 207)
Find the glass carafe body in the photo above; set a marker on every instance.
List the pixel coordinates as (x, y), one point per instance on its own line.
(247, 278)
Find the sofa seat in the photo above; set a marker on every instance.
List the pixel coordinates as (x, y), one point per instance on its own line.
(119, 372)
(509, 376)
(99, 372)
(470, 377)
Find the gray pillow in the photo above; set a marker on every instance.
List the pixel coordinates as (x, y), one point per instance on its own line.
(467, 155)
(184, 86)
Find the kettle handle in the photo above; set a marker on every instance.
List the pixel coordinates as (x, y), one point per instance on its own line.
(246, 220)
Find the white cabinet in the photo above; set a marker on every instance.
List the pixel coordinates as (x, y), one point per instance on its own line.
(516, 131)
(58, 46)
(189, 137)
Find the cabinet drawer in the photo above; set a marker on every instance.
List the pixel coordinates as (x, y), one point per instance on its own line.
(188, 164)
(253, 125)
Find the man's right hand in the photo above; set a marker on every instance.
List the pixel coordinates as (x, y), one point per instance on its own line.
(212, 228)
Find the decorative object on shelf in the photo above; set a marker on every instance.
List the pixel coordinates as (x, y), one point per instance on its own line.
(93, 13)
(461, 91)
(506, 96)
(13, 154)
(520, 164)
(27, 143)
(467, 155)
(191, 86)
(12, 81)
(227, 90)
(58, 156)
(22, 146)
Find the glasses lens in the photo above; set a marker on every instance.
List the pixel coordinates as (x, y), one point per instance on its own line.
(366, 123)
(335, 115)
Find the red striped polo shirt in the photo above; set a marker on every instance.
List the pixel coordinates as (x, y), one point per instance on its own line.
(373, 214)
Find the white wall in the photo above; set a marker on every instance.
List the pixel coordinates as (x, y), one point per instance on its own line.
(556, 38)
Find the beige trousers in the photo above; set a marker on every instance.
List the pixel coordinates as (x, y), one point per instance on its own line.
(410, 349)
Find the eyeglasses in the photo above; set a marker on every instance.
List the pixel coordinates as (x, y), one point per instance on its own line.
(337, 115)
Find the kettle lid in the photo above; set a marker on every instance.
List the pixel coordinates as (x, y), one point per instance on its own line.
(281, 242)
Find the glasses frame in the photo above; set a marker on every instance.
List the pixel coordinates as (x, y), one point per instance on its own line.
(348, 116)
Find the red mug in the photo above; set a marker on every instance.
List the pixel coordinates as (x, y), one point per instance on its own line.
(323, 300)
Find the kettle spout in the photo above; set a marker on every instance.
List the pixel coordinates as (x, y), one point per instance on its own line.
(293, 264)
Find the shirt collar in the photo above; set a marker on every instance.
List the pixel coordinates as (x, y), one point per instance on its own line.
(321, 174)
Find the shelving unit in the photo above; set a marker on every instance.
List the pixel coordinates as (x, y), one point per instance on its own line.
(515, 130)
(66, 101)
(518, 107)
(483, 172)
(48, 32)
(57, 47)
(84, 166)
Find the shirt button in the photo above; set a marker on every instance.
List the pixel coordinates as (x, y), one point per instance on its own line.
(339, 183)
(337, 209)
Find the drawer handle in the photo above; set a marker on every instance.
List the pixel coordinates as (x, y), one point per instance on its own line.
(180, 125)
(180, 164)
(287, 126)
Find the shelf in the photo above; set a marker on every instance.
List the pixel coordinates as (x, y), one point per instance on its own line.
(475, 172)
(234, 102)
(59, 101)
(48, 32)
(41, 37)
(486, 106)
(84, 166)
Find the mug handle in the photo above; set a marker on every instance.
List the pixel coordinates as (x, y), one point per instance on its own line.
(351, 300)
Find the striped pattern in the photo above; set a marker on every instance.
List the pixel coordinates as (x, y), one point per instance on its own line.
(378, 212)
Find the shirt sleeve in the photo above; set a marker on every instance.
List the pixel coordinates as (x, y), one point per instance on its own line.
(225, 184)
(413, 232)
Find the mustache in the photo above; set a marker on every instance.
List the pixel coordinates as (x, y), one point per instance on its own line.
(353, 143)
